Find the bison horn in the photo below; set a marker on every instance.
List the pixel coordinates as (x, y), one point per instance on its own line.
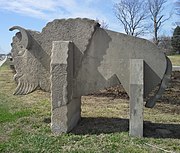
(25, 40)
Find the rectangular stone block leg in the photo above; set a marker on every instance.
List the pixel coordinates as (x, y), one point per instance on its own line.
(66, 117)
(136, 97)
(66, 110)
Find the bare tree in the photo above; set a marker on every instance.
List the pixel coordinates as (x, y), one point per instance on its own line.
(132, 15)
(165, 44)
(156, 8)
(177, 3)
(103, 24)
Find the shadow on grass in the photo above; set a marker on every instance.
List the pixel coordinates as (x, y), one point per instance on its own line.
(103, 125)
(100, 125)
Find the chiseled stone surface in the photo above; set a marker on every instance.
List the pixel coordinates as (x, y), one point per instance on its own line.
(101, 57)
(31, 50)
(136, 97)
(75, 57)
(65, 107)
(66, 117)
(106, 62)
(29, 64)
(61, 73)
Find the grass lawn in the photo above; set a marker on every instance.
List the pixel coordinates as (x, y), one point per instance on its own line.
(175, 59)
(25, 124)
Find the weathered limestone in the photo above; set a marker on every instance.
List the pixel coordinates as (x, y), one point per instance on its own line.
(66, 117)
(108, 49)
(66, 109)
(75, 57)
(31, 63)
(136, 97)
(164, 84)
(97, 54)
(31, 50)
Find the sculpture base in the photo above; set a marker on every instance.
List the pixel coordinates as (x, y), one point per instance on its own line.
(66, 117)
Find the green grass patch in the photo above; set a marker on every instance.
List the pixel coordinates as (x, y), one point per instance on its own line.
(175, 59)
(25, 126)
(6, 116)
(10, 112)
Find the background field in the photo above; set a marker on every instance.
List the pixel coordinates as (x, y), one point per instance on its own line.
(25, 122)
(175, 59)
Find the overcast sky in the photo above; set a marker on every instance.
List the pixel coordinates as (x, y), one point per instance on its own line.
(34, 14)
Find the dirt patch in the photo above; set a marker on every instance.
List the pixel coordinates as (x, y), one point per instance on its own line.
(170, 96)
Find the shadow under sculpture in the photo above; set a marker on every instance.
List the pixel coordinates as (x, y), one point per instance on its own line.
(75, 57)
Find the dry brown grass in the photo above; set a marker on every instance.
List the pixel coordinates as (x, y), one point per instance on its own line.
(103, 128)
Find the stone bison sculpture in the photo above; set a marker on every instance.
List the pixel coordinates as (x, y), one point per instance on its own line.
(101, 58)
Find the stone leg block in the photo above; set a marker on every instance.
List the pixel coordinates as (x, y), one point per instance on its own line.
(65, 109)
(136, 97)
(66, 117)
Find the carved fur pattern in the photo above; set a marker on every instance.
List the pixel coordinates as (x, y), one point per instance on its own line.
(31, 50)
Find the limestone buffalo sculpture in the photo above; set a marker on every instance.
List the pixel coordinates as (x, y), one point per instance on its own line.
(101, 58)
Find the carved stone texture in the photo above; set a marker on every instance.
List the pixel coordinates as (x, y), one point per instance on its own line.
(136, 97)
(164, 84)
(30, 71)
(31, 50)
(106, 62)
(101, 58)
(65, 108)
(96, 59)
(78, 30)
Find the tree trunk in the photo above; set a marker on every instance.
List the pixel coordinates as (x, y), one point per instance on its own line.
(155, 32)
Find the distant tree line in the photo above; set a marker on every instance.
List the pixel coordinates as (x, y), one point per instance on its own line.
(175, 40)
